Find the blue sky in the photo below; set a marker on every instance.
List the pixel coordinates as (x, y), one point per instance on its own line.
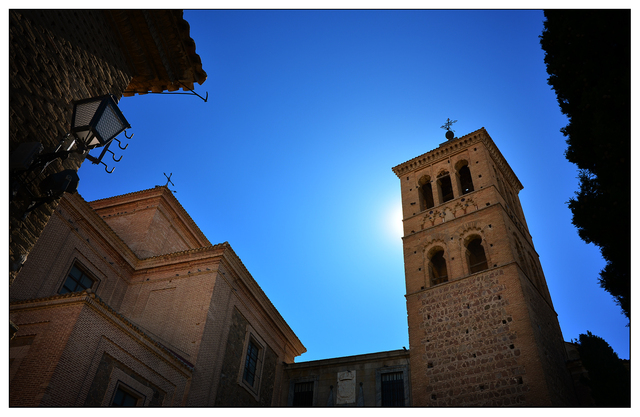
(290, 159)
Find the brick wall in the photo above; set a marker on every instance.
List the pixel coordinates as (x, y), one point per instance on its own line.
(102, 378)
(193, 304)
(55, 57)
(67, 241)
(171, 303)
(150, 223)
(77, 341)
(230, 392)
(33, 373)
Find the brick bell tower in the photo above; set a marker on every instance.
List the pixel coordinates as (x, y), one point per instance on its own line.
(482, 327)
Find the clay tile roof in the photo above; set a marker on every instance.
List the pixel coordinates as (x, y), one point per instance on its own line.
(158, 49)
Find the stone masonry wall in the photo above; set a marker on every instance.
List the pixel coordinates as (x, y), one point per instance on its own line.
(467, 352)
(550, 344)
(55, 57)
(367, 369)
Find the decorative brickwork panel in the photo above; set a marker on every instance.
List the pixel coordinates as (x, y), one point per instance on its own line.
(63, 243)
(102, 378)
(230, 393)
(66, 365)
(268, 377)
(50, 335)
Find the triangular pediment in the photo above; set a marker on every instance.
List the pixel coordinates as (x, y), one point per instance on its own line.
(151, 222)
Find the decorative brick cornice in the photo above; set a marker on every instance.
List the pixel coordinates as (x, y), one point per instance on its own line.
(444, 150)
(348, 360)
(441, 152)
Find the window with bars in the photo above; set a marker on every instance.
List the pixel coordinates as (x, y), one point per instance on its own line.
(392, 389)
(251, 363)
(303, 394)
(77, 280)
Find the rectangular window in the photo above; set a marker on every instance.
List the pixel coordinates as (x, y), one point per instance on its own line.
(77, 280)
(303, 394)
(124, 398)
(392, 389)
(251, 363)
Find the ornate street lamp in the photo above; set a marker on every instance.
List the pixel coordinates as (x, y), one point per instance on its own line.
(95, 123)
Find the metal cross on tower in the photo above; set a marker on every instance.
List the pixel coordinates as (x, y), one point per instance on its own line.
(448, 124)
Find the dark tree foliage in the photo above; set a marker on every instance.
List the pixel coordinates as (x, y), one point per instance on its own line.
(609, 379)
(588, 58)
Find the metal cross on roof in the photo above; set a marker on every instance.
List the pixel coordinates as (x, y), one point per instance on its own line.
(169, 181)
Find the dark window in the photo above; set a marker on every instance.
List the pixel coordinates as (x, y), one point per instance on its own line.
(124, 399)
(477, 257)
(466, 183)
(76, 281)
(392, 389)
(438, 268)
(251, 363)
(426, 194)
(303, 394)
(446, 190)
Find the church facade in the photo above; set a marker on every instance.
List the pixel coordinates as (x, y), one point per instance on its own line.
(124, 301)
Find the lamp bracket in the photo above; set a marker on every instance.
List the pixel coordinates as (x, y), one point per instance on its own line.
(192, 93)
(120, 143)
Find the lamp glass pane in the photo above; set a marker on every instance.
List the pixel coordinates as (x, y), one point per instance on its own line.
(84, 113)
(110, 124)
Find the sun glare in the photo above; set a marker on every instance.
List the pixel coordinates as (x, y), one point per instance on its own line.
(394, 221)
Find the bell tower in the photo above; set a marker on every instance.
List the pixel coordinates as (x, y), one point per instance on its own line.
(482, 327)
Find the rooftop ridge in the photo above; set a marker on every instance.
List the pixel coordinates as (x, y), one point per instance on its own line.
(125, 194)
(164, 190)
(88, 211)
